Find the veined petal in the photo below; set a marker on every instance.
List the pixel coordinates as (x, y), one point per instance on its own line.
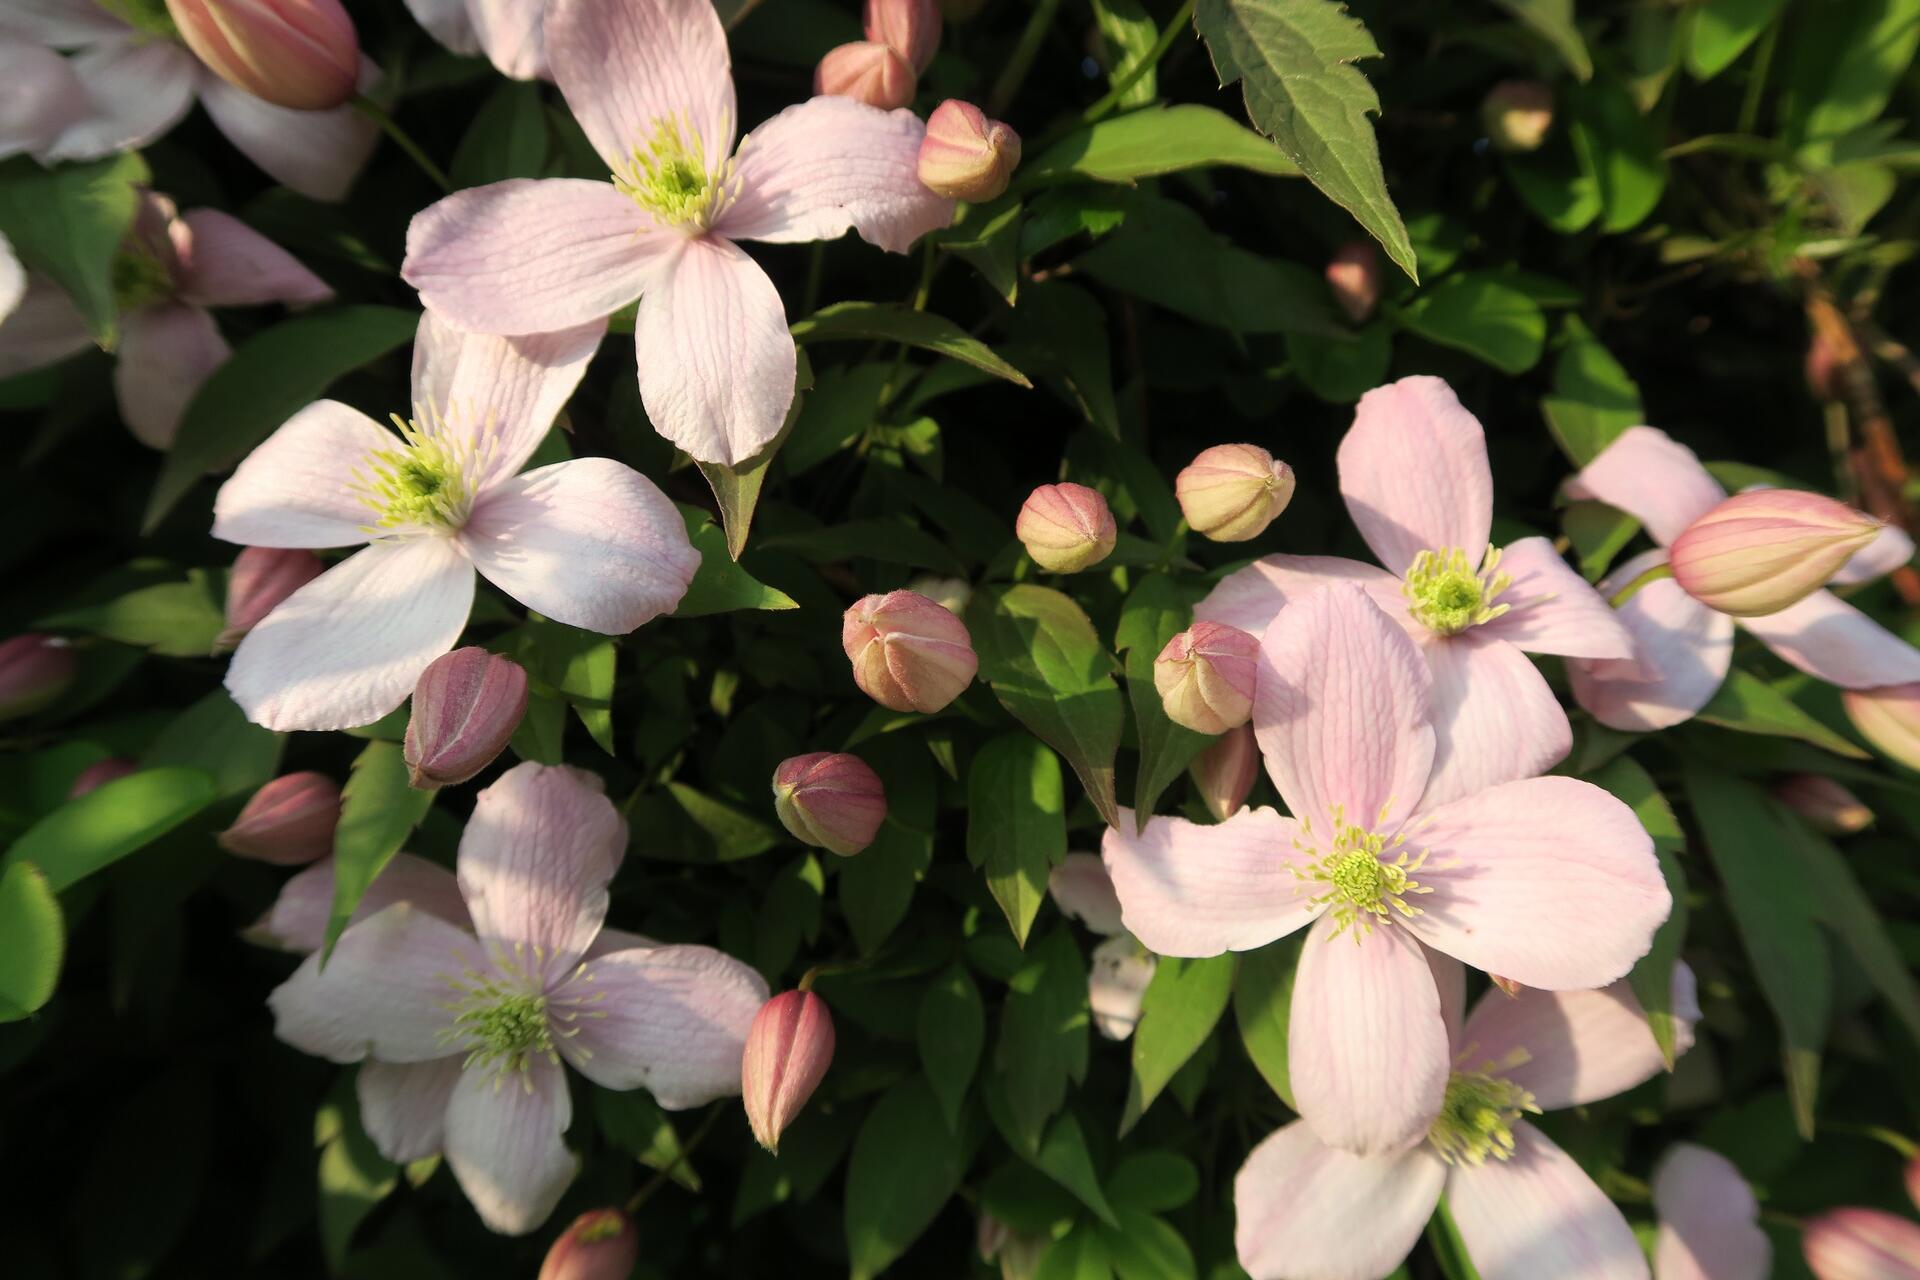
(166, 352)
(626, 67)
(1682, 650)
(1192, 890)
(1553, 610)
(297, 488)
(226, 263)
(136, 92)
(1653, 478)
(1709, 1228)
(42, 95)
(44, 328)
(1831, 640)
(384, 993)
(510, 31)
(1890, 549)
(1414, 473)
(403, 1105)
(1494, 717)
(1539, 1214)
(1250, 598)
(316, 153)
(504, 1146)
(297, 921)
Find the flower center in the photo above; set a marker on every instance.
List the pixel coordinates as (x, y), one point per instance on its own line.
(669, 178)
(426, 485)
(1446, 593)
(1362, 882)
(502, 1023)
(148, 17)
(139, 279)
(1476, 1119)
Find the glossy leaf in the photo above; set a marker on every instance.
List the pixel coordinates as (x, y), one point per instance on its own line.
(33, 940)
(67, 223)
(905, 1164)
(1042, 1046)
(378, 811)
(1177, 1014)
(1016, 823)
(1152, 142)
(107, 824)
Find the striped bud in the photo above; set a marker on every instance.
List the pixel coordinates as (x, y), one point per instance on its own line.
(1205, 677)
(1232, 492)
(1225, 772)
(1861, 1244)
(908, 653)
(601, 1244)
(911, 28)
(1764, 550)
(302, 54)
(788, 1049)
(466, 706)
(289, 822)
(966, 156)
(830, 801)
(263, 577)
(865, 71)
(1066, 527)
(1889, 718)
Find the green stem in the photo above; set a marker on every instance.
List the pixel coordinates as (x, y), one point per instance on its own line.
(816, 269)
(1626, 593)
(375, 112)
(1145, 63)
(1757, 79)
(654, 1183)
(1021, 61)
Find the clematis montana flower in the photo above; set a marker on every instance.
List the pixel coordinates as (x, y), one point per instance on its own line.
(591, 542)
(1709, 1227)
(141, 81)
(1414, 473)
(1683, 648)
(1122, 968)
(1549, 882)
(650, 82)
(462, 1035)
(508, 32)
(1524, 1209)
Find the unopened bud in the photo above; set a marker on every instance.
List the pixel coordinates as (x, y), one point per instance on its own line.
(908, 653)
(1205, 677)
(261, 579)
(966, 156)
(99, 774)
(1353, 277)
(788, 1048)
(1517, 114)
(1018, 1252)
(289, 822)
(911, 28)
(601, 1244)
(292, 53)
(1913, 1181)
(1761, 551)
(1117, 983)
(1225, 772)
(466, 705)
(1889, 718)
(1232, 492)
(1825, 803)
(1861, 1244)
(34, 671)
(831, 801)
(1066, 527)
(867, 72)
(949, 593)
(1082, 889)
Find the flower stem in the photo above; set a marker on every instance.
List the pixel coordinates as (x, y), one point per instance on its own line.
(1145, 63)
(1626, 593)
(375, 112)
(687, 1148)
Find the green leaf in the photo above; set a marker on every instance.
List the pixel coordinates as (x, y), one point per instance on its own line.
(215, 736)
(735, 834)
(1652, 977)
(1555, 185)
(1263, 1007)
(579, 666)
(1846, 908)
(736, 488)
(951, 1030)
(1063, 1156)
(1157, 611)
(174, 619)
(67, 223)
(1065, 329)
(33, 940)
(1151, 142)
(1748, 704)
(1081, 1254)
(1619, 149)
(720, 585)
(146, 1175)
(634, 1122)
(1016, 823)
(1552, 21)
(1153, 1182)
(1722, 30)
(1341, 370)
(1448, 1249)
(1484, 316)
(1043, 1034)
(891, 322)
(877, 887)
(1177, 1014)
(1129, 34)
(1294, 59)
(988, 237)
(507, 139)
(353, 1178)
(1598, 533)
(105, 825)
(906, 1163)
(1593, 399)
(1842, 65)
(1144, 1247)
(378, 811)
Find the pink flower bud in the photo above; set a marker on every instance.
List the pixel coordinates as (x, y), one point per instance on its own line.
(601, 1244)
(1205, 677)
(1889, 718)
(1225, 772)
(866, 72)
(289, 822)
(1517, 114)
(1861, 1244)
(911, 28)
(1066, 527)
(292, 53)
(1759, 552)
(466, 705)
(1232, 492)
(1825, 803)
(1913, 1181)
(1353, 277)
(788, 1049)
(908, 653)
(833, 802)
(261, 579)
(34, 671)
(966, 156)
(99, 774)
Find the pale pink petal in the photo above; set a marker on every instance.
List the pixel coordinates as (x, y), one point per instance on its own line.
(1709, 1219)
(1652, 477)
(1495, 718)
(297, 488)
(346, 648)
(1188, 889)
(531, 255)
(297, 921)
(63, 24)
(1890, 549)
(166, 352)
(1305, 1211)
(591, 543)
(1117, 981)
(44, 328)
(1450, 980)
(1551, 609)
(503, 1143)
(1413, 469)
(13, 280)
(1682, 652)
(40, 97)
(1251, 597)
(1831, 640)
(672, 1020)
(1548, 881)
(316, 153)
(1366, 1040)
(1082, 889)
(510, 32)
(1539, 1214)
(611, 940)
(383, 993)
(448, 22)
(136, 91)
(226, 263)
(1341, 710)
(627, 67)
(403, 1105)
(716, 359)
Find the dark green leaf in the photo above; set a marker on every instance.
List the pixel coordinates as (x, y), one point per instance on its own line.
(1618, 147)
(174, 619)
(1081, 1254)
(354, 1178)
(1144, 1247)
(1016, 823)
(507, 139)
(1263, 1006)
(634, 1122)
(736, 489)
(1748, 704)
(1552, 21)
(1177, 1014)
(67, 223)
(378, 811)
(1483, 315)
(1842, 64)
(1153, 1182)
(1043, 1034)
(905, 1165)
(1846, 908)
(1063, 1156)
(105, 825)
(1722, 30)
(952, 1029)
(1593, 399)
(1652, 977)
(215, 736)
(883, 321)
(888, 540)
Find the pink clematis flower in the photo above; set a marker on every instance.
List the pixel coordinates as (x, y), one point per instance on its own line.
(171, 268)
(591, 542)
(141, 80)
(1414, 474)
(1683, 648)
(1122, 968)
(461, 1035)
(1708, 1219)
(508, 32)
(1524, 1209)
(1549, 882)
(650, 82)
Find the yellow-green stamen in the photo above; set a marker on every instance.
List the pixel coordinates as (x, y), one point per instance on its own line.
(669, 177)
(1447, 594)
(1367, 876)
(139, 279)
(427, 483)
(1476, 1120)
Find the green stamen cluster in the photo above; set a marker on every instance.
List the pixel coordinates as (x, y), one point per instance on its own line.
(669, 177)
(422, 484)
(139, 280)
(1448, 595)
(148, 17)
(1363, 882)
(1476, 1119)
(504, 1029)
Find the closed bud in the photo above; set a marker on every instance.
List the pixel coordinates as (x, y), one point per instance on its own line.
(911, 28)
(1861, 1244)
(1889, 718)
(966, 156)
(908, 653)
(289, 822)
(1225, 772)
(601, 1244)
(788, 1048)
(1517, 114)
(261, 579)
(1066, 527)
(949, 593)
(867, 72)
(830, 801)
(1232, 492)
(1825, 803)
(34, 671)
(466, 705)
(1205, 677)
(292, 53)
(1761, 551)
(1913, 1181)
(99, 774)
(1353, 277)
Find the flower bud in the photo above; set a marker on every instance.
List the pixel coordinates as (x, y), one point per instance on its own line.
(1225, 772)
(1232, 492)
(908, 653)
(866, 72)
(289, 822)
(911, 28)
(1761, 551)
(291, 53)
(1889, 718)
(99, 774)
(34, 671)
(1913, 1181)
(1861, 1244)
(1517, 114)
(601, 1244)
(261, 579)
(1205, 677)
(831, 801)
(466, 705)
(1353, 277)
(1825, 803)
(1117, 983)
(1066, 527)
(1018, 1252)
(788, 1048)
(966, 156)
(949, 593)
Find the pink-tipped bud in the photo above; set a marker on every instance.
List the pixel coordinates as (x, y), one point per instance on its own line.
(830, 801)
(34, 671)
(99, 774)
(1232, 492)
(1225, 772)
(1761, 551)
(1066, 527)
(1205, 677)
(868, 72)
(466, 706)
(289, 822)
(1861, 1244)
(261, 579)
(1889, 718)
(1353, 277)
(788, 1049)
(1913, 1181)
(601, 1244)
(1517, 114)
(911, 28)
(292, 53)
(908, 653)
(1825, 803)
(966, 156)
